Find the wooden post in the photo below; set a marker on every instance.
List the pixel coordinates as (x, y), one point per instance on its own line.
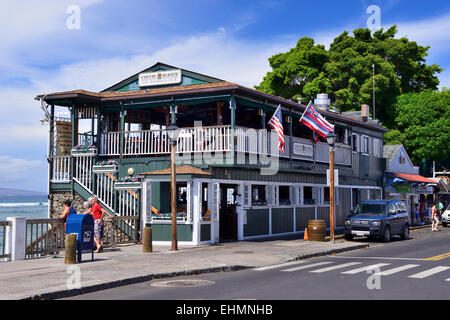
(70, 256)
(172, 197)
(122, 133)
(147, 245)
(332, 194)
(219, 113)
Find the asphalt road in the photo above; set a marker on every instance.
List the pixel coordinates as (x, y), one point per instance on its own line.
(418, 269)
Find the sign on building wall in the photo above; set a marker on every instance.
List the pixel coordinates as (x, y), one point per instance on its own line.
(63, 137)
(403, 188)
(159, 78)
(302, 149)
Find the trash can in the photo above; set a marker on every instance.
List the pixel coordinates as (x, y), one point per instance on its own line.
(83, 226)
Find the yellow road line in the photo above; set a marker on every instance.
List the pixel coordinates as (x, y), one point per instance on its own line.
(439, 257)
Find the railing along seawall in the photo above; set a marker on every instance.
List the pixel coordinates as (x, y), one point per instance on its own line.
(44, 237)
(4, 225)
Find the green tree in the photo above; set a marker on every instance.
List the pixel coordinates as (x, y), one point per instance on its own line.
(422, 125)
(345, 70)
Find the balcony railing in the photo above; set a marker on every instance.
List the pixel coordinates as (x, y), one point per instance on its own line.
(219, 139)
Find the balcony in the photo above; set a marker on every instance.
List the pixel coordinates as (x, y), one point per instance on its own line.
(218, 139)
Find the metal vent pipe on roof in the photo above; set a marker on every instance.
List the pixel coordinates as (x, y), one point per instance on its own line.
(322, 101)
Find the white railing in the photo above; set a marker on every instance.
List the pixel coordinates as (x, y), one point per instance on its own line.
(105, 189)
(128, 203)
(61, 169)
(204, 139)
(259, 141)
(86, 139)
(110, 144)
(146, 142)
(83, 171)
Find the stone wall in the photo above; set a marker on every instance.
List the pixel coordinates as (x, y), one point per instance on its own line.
(57, 199)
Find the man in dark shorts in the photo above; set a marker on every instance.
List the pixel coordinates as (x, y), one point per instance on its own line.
(97, 213)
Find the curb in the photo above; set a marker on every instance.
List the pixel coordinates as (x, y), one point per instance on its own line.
(118, 283)
(329, 252)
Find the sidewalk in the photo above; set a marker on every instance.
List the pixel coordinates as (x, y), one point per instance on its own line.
(46, 278)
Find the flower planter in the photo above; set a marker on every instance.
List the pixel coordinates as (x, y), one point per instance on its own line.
(127, 185)
(106, 168)
(84, 152)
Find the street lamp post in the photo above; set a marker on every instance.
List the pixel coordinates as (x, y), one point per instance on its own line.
(331, 140)
(172, 132)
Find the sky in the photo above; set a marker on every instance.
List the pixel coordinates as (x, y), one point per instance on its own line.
(43, 50)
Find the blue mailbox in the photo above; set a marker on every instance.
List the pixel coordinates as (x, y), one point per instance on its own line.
(83, 226)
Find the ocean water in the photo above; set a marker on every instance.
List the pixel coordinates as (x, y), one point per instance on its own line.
(30, 207)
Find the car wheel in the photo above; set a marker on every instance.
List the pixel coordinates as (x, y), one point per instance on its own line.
(405, 232)
(444, 224)
(386, 237)
(348, 237)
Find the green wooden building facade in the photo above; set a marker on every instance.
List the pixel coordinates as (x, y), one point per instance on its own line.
(232, 181)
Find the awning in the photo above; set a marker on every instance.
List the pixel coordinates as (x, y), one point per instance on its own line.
(414, 178)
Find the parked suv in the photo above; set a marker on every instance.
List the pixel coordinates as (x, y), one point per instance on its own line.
(446, 216)
(378, 219)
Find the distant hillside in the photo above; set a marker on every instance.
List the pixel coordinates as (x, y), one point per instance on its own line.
(6, 193)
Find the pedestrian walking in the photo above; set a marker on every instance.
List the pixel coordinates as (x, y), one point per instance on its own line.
(439, 209)
(97, 213)
(434, 218)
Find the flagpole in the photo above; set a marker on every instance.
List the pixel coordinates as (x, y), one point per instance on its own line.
(305, 110)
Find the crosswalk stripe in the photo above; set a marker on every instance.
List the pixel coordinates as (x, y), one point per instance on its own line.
(339, 266)
(364, 269)
(305, 267)
(447, 279)
(398, 269)
(286, 264)
(428, 273)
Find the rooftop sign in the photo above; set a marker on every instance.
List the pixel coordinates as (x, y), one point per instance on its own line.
(159, 78)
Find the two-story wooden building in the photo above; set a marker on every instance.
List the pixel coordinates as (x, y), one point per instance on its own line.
(232, 181)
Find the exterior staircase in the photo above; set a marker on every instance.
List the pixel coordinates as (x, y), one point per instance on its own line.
(123, 205)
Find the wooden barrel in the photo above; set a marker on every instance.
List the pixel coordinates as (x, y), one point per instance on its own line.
(316, 230)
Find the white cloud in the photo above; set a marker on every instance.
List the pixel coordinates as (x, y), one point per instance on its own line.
(16, 170)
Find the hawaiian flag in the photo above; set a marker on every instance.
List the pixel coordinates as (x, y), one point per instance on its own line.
(276, 123)
(314, 120)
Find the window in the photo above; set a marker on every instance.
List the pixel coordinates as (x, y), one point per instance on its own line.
(284, 194)
(365, 145)
(206, 212)
(246, 195)
(300, 196)
(311, 195)
(356, 146)
(355, 197)
(259, 195)
(377, 148)
(392, 208)
(326, 195)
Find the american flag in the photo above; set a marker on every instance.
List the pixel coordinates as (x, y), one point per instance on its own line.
(314, 120)
(276, 123)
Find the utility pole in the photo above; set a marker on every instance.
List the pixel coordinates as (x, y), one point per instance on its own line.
(332, 194)
(373, 90)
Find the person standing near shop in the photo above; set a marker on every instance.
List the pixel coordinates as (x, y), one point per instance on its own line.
(434, 218)
(440, 209)
(68, 210)
(97, 213)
